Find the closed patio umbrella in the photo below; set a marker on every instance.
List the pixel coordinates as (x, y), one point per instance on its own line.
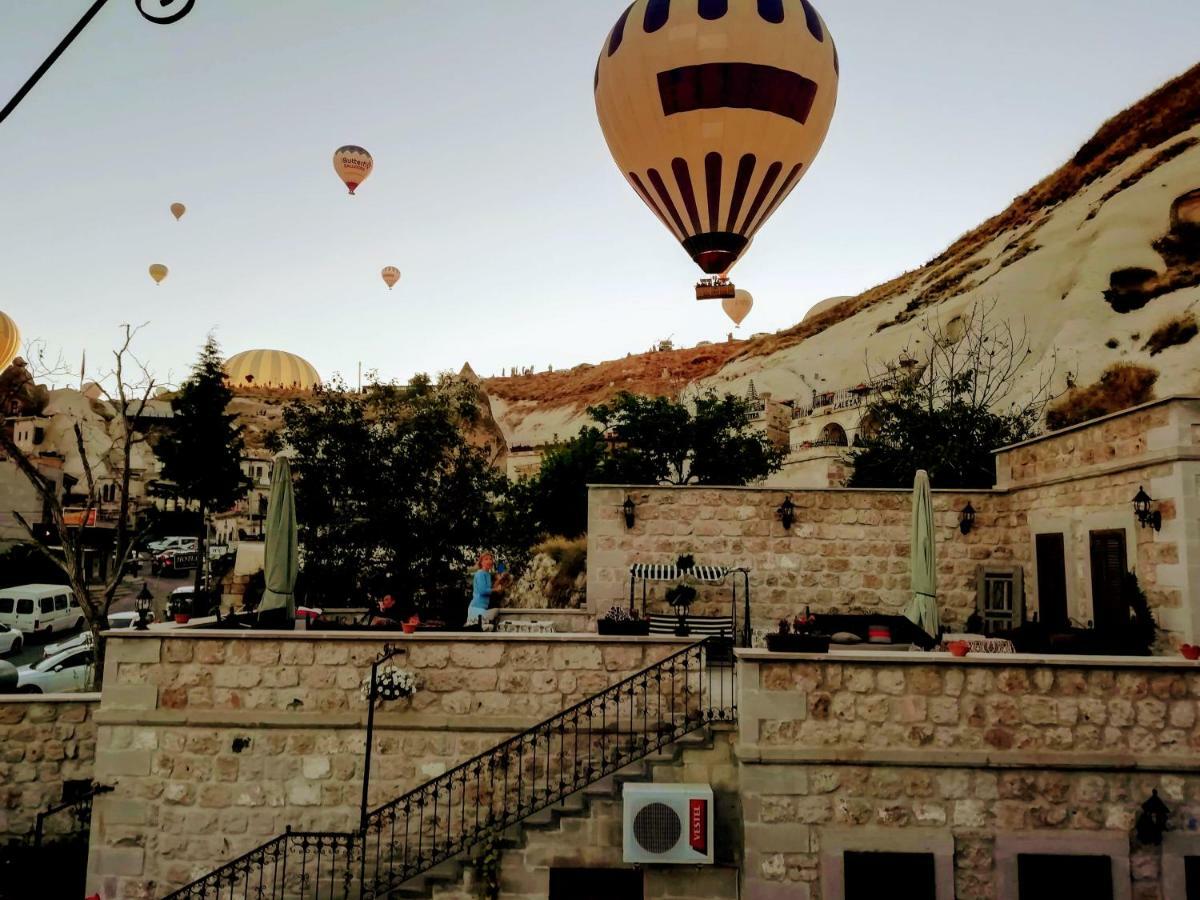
(922, 609)
(280, 563)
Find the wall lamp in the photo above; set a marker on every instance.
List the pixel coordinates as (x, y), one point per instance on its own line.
(786, 513)
(966, 518)
(1153, 821)
(1141, 508)
(628, 509)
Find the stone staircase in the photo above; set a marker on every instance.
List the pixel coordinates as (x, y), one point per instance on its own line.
(585, 829)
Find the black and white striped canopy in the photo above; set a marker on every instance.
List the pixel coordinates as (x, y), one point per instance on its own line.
(654, 572)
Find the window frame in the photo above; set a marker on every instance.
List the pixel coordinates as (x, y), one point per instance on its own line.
(1176, 846)
(1017, 573)
(1011, 845)
(836, 842)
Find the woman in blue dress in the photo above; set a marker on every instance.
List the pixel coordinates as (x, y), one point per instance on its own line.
(482, 588)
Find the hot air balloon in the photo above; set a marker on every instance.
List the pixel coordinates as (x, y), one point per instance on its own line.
(158, 272)
(738, 306)
(10, 341)
(713, 111)
(390, 276)
(353, 165)
(177, 210)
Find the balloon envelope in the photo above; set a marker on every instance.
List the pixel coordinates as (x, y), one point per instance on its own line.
(390, 276)
(177, 210)
(158, 272)
(353, 165)
(738, 306)
(714, 110)
(10, 341)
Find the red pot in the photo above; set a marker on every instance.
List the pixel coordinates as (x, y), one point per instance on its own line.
(1190, 651)
(959, 648)
(409, 627)
(182, 618)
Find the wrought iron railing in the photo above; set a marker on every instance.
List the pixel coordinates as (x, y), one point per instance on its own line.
(478, 799)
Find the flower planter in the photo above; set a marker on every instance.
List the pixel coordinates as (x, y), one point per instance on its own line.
(798, 643)
(182, 618)
(409, 628)
(605, 626)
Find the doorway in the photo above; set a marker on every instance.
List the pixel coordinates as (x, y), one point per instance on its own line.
(1051, 580)
(1109, 565)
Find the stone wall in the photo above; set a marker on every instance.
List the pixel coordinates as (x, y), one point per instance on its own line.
(903, 753)
(45, 740)
(216, 742)
(848, 550)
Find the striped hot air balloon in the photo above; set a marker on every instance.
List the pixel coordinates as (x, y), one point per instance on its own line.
(271, 369)
(713, 111)
(390, 275)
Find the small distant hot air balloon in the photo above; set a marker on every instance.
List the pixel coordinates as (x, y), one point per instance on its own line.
(10, 341)
(390, 276)
(713, 111)
(738, 306)
(158, 272)
(353, 165)
(177, 210)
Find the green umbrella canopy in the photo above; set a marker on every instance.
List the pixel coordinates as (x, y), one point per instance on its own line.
(922, 609)
(280, 563)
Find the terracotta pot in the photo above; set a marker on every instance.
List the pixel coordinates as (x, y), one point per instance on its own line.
(959, 648)
(1190, 651)
(182, 618)
(409, 627)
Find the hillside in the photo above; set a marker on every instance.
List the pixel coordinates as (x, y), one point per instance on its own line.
(1091, 262)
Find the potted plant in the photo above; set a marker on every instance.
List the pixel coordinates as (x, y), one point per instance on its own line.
(680, 598)
(798, 636)
(685, 562)
(181, 609)
(411, 623)
(619, 620)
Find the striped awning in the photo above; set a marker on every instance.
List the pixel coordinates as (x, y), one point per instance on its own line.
(655, 572)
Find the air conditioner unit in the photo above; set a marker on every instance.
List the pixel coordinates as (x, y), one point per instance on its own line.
(668, 824)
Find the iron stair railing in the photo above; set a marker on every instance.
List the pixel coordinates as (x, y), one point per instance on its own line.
(480, 798)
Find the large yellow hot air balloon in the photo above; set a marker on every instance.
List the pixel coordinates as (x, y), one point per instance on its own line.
(177, 210)
(353, 165)
(714, 110)
(390, 276)
(158, 272)
(10, 341)
(738, 306)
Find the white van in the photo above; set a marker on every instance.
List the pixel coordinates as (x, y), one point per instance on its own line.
(40, 608)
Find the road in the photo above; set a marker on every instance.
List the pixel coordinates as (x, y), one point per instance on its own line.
(123, 602)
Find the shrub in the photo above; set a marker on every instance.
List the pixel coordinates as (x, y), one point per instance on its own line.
(1120, 386)
(1172, 333)
(570, 554)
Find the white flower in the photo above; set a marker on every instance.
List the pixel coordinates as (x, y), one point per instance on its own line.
(392, 683)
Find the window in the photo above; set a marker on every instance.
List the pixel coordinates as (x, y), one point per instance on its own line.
(866, 863)
(1051, 579)
(1035, 865)
(1191, 877)
(1000, 598)
(595, 884)
(1110, 605)
(24, 606)
(832, 435)
(872, 875)
(46, 605)
(60, 602)
(6, 605)
(1041, 876)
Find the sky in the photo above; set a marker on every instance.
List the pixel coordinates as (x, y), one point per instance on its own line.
(493, 191)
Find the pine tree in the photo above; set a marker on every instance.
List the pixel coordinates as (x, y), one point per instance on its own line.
(202, 453)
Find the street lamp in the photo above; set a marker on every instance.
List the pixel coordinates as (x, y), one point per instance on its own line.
(966, 518)
(142, 605)
(786, 513)
(1141, 508)
(628, 509)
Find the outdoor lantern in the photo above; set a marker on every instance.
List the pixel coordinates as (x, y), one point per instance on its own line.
(966, 518)
(1153, 821)
(627, 508)
(141, 604)
(787, 513)
(1141, 508)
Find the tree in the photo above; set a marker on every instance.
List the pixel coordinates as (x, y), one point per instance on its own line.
(947, 412)
(106, 458)
(647, 440)
(202, 454)
(390, 494)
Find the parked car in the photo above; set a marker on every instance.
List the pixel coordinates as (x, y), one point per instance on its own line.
(84, 638)
(40, 609)
(10, 640)
(178, 542)
(63, 673)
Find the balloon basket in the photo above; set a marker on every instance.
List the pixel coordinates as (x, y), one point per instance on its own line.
(715, 289)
